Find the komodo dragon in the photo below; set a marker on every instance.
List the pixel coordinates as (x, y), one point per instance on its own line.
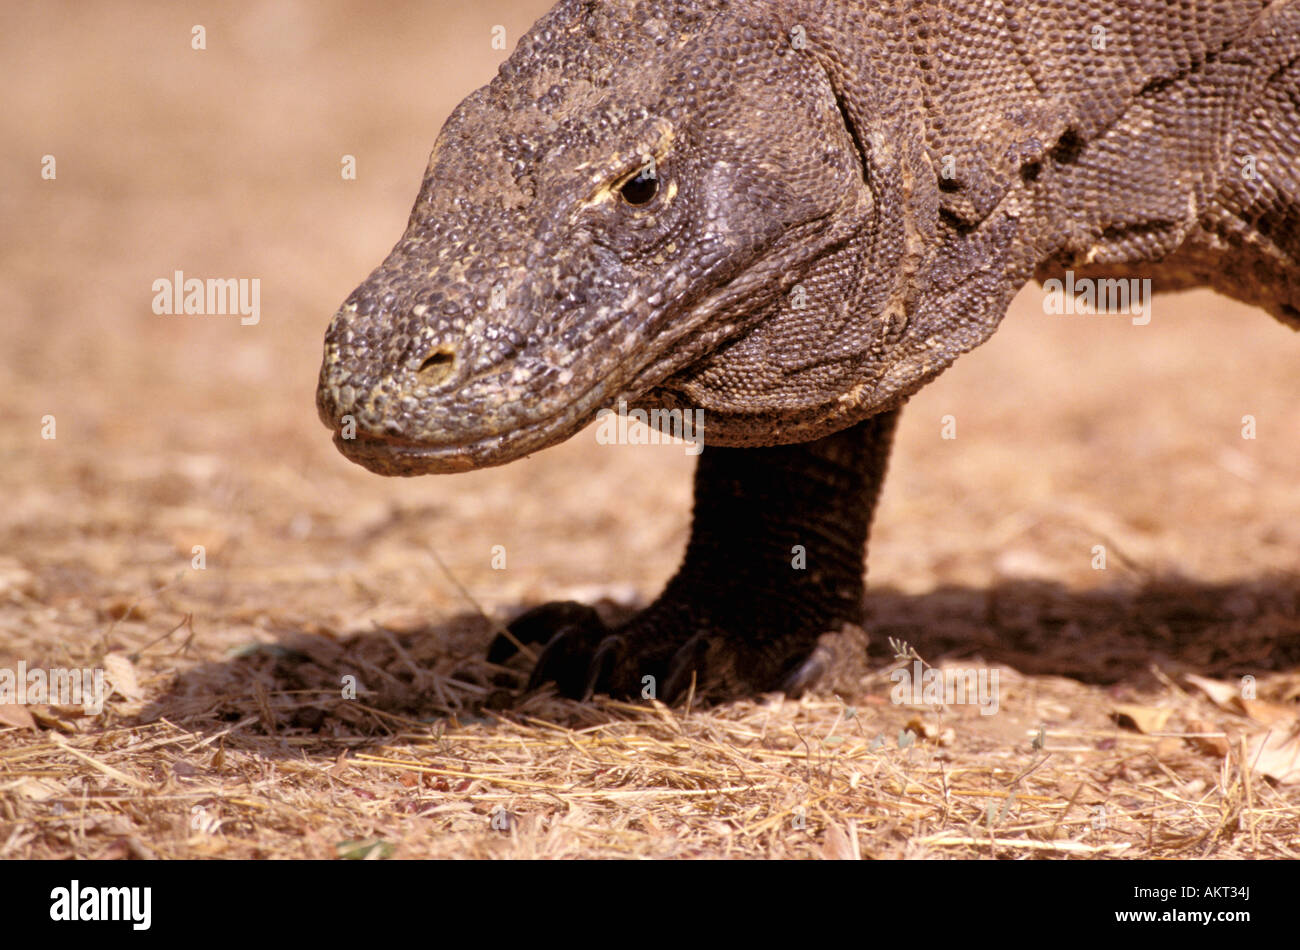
(793, 214)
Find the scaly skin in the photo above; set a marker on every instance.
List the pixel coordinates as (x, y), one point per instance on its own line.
(737, 613)
(793, 215)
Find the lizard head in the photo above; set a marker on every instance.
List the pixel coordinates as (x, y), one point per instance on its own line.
(640, 187)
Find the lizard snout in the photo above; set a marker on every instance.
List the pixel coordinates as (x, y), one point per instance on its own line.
(371, 375)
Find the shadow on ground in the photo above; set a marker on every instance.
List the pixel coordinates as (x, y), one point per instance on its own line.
(291, 692)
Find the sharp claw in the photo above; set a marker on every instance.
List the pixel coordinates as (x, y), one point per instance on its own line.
(569, 630)
(602, 663)
(806, 674)
(581, 656)
(688, 658)
(550, 656)
(540, 623)
(532, 626)
(502, 648)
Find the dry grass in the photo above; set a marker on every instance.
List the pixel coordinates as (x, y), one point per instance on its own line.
(230, 736)
(258, 755)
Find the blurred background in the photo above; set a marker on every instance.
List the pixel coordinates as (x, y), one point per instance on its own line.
(176, 431)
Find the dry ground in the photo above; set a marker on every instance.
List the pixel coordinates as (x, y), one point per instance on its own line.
(227, 735)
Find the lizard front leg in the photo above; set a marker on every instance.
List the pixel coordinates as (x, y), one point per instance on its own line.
(775, 559)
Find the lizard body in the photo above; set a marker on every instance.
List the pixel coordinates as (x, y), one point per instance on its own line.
(792, 215)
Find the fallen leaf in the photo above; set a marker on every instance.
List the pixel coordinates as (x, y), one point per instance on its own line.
(46, 717)
(1277, 755)
(1145, 719)
(1216, 745)
(1270, 714)
(120, 673)
(1223, 695)
(16, 714)
(68, 712)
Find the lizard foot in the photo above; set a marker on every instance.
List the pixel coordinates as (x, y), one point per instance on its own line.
(774, 561)
(656, 654)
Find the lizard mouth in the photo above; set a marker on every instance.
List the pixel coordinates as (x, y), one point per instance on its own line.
(385, 456)
(395, 455)
(389, 456)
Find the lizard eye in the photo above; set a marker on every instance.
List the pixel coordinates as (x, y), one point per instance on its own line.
(642, 188)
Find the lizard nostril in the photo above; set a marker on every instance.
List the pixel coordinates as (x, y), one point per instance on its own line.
(437, 365)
